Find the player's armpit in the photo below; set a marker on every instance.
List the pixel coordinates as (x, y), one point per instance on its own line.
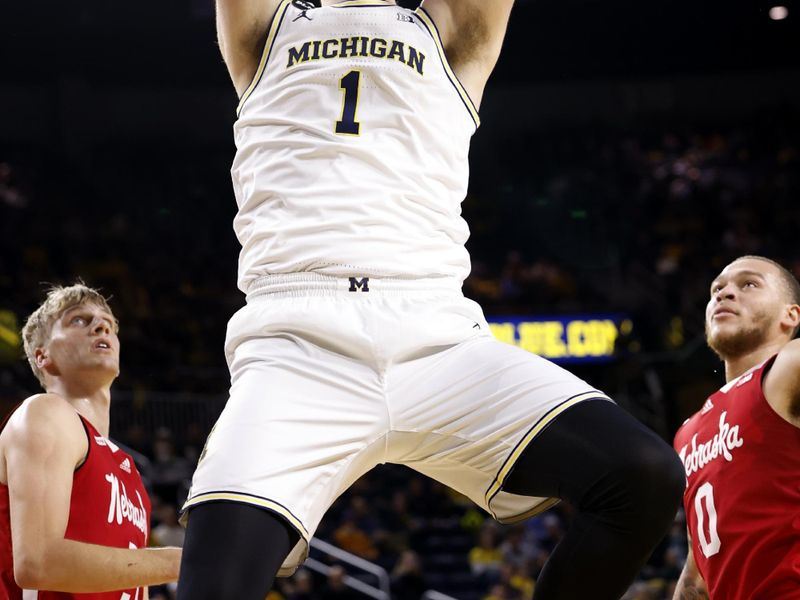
(472, 33)
(242, 32)
(690, 585)
(782, 383)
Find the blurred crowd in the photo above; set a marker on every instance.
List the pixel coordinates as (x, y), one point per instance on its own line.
(562, 222)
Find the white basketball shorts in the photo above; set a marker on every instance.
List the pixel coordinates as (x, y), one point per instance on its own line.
(330, 377)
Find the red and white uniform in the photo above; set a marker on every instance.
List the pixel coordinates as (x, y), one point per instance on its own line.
(109, 507)
(742, 497)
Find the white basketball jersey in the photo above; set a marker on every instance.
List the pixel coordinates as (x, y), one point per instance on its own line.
(352, 147)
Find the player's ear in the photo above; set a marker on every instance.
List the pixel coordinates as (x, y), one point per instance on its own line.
(791, 316)
(42, 358)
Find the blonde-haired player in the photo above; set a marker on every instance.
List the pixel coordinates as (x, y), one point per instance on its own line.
(357, 346)
(74, 514)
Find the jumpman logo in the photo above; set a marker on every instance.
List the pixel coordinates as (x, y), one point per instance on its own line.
(304, 6)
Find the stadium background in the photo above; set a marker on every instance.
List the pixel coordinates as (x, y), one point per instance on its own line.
(628, 150)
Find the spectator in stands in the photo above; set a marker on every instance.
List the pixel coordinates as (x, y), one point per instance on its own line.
(500, 591)
(398, 523)
(349, 536)
(516, 549)
(408, 581)
(302, 586)
(520, 579)
(335, 587)
(169, 472)
(168, 532)
(485, 558)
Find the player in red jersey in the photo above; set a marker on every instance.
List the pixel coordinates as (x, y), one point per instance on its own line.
(74, 515)
(741, 452)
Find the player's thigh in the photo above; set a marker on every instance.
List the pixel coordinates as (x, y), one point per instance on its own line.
(478, 405)
(300, 425)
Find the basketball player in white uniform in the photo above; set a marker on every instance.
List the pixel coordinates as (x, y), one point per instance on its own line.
(356, 346)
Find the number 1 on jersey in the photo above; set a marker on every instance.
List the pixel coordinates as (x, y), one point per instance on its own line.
(350, 85)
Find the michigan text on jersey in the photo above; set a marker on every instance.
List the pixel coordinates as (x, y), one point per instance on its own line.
(358, 46)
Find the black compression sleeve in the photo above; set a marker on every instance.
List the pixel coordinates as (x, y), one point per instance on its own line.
(232, 552)
(626, 485)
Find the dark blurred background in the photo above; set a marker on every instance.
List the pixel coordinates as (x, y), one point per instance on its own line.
(628, 151)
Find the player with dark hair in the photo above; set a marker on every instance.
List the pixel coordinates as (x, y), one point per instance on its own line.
(74, 514)
(741, 452)
(357, 346)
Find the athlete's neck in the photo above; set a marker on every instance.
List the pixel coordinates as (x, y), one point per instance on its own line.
(734, 367)
(94, 404)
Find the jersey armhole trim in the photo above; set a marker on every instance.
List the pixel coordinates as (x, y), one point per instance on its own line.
(88, 443)
(766, 367)
(275, 24)
(430, 25)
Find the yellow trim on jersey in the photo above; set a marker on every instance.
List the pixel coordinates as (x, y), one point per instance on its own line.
(252, 500)
(536, 430)
(429, 23)
(539, 508)
(277, 19)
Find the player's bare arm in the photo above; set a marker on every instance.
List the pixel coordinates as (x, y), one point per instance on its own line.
(472, 33)
(690, 585)
(40, 448)
(782, 383)
(241, 33)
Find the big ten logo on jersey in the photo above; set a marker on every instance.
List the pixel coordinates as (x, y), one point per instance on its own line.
(122, 508)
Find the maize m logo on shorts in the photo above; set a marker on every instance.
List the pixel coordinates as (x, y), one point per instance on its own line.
(357, 284)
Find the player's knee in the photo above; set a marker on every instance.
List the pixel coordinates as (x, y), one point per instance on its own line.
(644, 474)
(654, 479)
(673, 477)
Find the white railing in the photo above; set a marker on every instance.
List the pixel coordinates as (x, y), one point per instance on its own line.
(382, 592)
(351, 582)
(434, 595)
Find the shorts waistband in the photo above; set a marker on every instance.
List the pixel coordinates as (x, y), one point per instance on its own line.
(316, 284)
